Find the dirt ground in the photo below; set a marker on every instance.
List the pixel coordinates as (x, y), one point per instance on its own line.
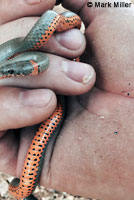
(41, 193)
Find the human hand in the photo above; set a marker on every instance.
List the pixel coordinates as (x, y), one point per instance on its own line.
(22, 107)
(93, 156)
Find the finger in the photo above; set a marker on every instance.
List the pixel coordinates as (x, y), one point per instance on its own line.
(24, 107)
(26, 137)
(16, 9)
(69, 44)
(8, 152)
(63, 76)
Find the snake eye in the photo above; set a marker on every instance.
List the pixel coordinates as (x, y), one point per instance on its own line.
(11, 71)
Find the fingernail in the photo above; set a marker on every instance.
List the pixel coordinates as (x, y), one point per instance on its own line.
(78, 72)
(32, 1)
(35, 98)
(72, 39)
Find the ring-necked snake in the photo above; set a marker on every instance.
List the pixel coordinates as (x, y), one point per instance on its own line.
(18, 58)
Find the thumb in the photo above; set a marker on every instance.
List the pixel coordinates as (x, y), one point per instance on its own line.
(20, 107)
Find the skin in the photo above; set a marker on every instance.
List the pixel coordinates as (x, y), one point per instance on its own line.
(93, 155)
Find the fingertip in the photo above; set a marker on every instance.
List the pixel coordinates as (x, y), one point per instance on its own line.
(72, 39)
(69, 44)
(74, 78)
(79, 72)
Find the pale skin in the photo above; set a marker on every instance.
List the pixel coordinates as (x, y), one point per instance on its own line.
(93, 155)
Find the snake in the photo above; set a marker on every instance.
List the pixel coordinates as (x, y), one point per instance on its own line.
(21, 57)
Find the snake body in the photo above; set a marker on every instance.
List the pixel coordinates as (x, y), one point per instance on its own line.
(19, 58)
